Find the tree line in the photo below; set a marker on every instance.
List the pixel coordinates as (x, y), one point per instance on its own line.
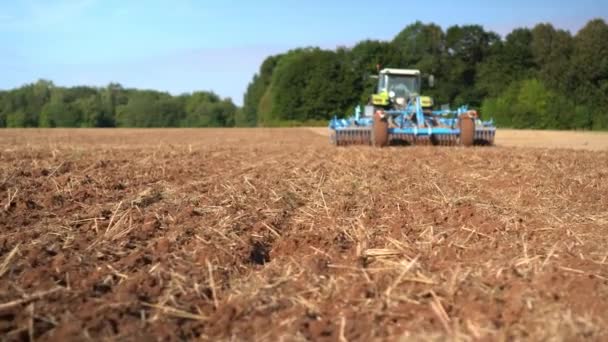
(42, 104)
(533, 78)
(541, 77)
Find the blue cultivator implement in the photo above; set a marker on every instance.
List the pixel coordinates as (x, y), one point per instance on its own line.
(398, 115)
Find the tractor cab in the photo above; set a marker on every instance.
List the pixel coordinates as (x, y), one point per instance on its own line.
(399, 82)
(396, 87)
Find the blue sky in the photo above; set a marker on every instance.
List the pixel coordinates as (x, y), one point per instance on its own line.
(186, 45)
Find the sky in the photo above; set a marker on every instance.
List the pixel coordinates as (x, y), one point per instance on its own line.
(187, 45)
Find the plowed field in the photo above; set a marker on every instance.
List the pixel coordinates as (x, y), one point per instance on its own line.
(265, 234)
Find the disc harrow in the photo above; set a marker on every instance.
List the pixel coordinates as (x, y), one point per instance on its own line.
(464, 128)
(485, 136)
(355, 136)
(447, 140)
(364, 137)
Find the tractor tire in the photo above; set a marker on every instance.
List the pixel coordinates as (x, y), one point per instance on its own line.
(467, 131)
(379, 130)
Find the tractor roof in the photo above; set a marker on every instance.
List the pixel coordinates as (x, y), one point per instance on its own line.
(407, 72)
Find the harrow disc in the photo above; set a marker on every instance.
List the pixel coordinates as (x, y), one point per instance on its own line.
(484, 137)
(444, 139)
(401, 139)
(354, 136)
(423, 140)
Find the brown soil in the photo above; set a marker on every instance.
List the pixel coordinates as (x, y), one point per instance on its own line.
(265, 234)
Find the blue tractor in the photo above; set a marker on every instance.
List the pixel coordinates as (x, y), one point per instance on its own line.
(399, 115)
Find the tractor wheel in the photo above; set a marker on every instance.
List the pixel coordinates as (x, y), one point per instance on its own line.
(467, 131)
(379, 130)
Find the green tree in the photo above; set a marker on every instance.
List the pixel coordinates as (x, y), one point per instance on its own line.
(139, 111)
(589, 70)
(311, 84)
(506, 63)
(58, 113)
(3, 104)
(423, 47)
(91, 109)
(205, 109)
(248, 116)
(16, 119)
(418, 42)
(552, 50)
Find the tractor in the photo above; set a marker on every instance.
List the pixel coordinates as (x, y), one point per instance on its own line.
(399, 115)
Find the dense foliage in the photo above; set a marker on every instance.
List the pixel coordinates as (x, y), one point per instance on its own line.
(533, 78)
(43, 104)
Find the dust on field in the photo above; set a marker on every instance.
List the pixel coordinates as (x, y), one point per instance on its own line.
(268, 233)
(593, 141)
